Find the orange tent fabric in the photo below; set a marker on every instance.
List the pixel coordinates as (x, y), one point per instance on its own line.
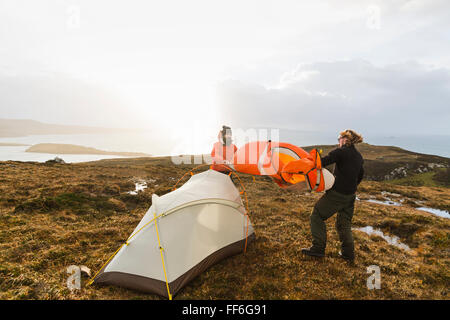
(285, 163)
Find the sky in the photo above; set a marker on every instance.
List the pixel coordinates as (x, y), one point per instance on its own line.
(379, 67)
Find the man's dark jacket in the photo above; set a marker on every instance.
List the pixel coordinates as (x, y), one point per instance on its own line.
(348, 170)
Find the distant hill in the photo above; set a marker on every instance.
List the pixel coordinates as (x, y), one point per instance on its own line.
(389, 162)
(55, 148)
(8, 144)
(20, 128)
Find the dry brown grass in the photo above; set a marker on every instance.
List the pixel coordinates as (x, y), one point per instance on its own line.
(54, 216)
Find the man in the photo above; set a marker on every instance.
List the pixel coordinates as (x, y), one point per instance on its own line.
(223, 151)
(340, 198)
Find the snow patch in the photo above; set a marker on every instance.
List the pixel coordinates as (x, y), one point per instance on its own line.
(394, 240)
(389, 202)
(139, 186)
(437, 212)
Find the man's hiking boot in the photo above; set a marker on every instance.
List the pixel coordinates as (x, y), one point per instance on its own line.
(346, 257)
(313, 252)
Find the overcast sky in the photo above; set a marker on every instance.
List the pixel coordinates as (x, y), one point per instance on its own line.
(375, 66)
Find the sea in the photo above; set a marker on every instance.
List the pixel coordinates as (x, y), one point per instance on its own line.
(150, 143)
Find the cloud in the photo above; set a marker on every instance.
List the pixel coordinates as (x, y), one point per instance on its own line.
(395, 99)
(146, 63)
(58, 98)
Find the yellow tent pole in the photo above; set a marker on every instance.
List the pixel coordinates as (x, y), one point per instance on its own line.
(142, 228)
(126, 243)
(92, 280)
(162, 258)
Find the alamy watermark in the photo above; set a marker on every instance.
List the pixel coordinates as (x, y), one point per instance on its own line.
(374, 280)
(373, 18)
(239, 137)
(73, 20)
(74, 279)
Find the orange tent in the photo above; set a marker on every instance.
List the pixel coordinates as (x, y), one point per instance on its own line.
(288, 165)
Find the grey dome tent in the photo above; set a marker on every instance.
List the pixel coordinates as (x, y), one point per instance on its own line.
(182, 234)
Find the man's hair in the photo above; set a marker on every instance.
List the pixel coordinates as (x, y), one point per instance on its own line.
(224, 131)
(352, 136)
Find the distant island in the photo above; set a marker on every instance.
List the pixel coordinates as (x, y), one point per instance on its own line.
(54, 148)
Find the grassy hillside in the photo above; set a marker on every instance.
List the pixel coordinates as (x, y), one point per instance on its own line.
(54, 216)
